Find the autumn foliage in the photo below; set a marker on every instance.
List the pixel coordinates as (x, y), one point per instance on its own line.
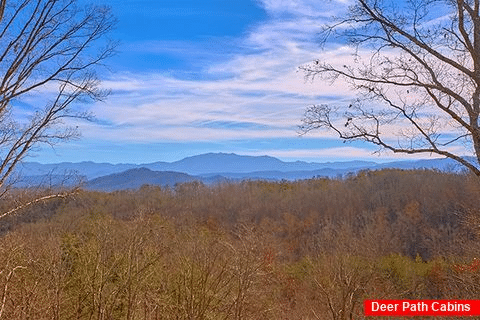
(312, 249)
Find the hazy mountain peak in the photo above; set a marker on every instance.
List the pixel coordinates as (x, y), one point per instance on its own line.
(209, 165)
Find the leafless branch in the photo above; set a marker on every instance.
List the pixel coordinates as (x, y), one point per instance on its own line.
(50, 49)
(25, 205)
(423, 76)
(5, 288)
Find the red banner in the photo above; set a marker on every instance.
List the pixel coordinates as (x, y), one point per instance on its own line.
(438, 308)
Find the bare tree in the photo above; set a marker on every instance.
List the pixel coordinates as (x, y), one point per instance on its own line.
(416, 70)
(49, 52)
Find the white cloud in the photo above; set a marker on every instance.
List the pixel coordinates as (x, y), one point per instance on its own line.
(311, 8)
(261, 87)
(324, 153)
(340, 154)
(255, 94)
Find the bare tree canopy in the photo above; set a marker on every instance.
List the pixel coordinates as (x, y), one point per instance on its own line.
(48, 49)
(416, 73)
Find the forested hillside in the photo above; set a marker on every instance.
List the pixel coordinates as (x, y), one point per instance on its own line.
(312, 249)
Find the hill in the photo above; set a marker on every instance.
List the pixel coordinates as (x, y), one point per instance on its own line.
(135, 178)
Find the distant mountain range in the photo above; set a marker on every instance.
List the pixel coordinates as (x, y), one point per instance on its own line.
(204, 164)
(208, 168)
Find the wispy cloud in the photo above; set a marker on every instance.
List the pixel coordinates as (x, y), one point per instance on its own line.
(161, 104)
(244, 88)
(253, 90)
(309, 8)
(337, 153)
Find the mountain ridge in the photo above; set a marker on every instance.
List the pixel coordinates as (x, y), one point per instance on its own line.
(203, 164)
(137, 177)
(211, 167)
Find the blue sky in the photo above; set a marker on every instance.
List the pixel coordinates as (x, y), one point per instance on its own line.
(197, 76)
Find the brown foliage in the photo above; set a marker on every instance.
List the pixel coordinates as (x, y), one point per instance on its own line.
(251, 250)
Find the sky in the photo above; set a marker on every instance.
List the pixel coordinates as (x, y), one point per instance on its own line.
(199, 76)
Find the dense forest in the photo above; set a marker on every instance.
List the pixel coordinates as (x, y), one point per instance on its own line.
(310, 249)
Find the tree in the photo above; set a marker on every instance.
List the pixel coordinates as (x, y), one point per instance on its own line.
(416, 73)
(48, 48)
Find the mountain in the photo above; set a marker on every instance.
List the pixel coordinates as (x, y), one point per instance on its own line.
(208, 168)
(219, 162)
(282, 175)
(204, 164)
(438, 164)
(211, 163)
(135, 178)
(87, 169)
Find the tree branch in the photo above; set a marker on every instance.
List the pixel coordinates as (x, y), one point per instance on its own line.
(25, 205)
